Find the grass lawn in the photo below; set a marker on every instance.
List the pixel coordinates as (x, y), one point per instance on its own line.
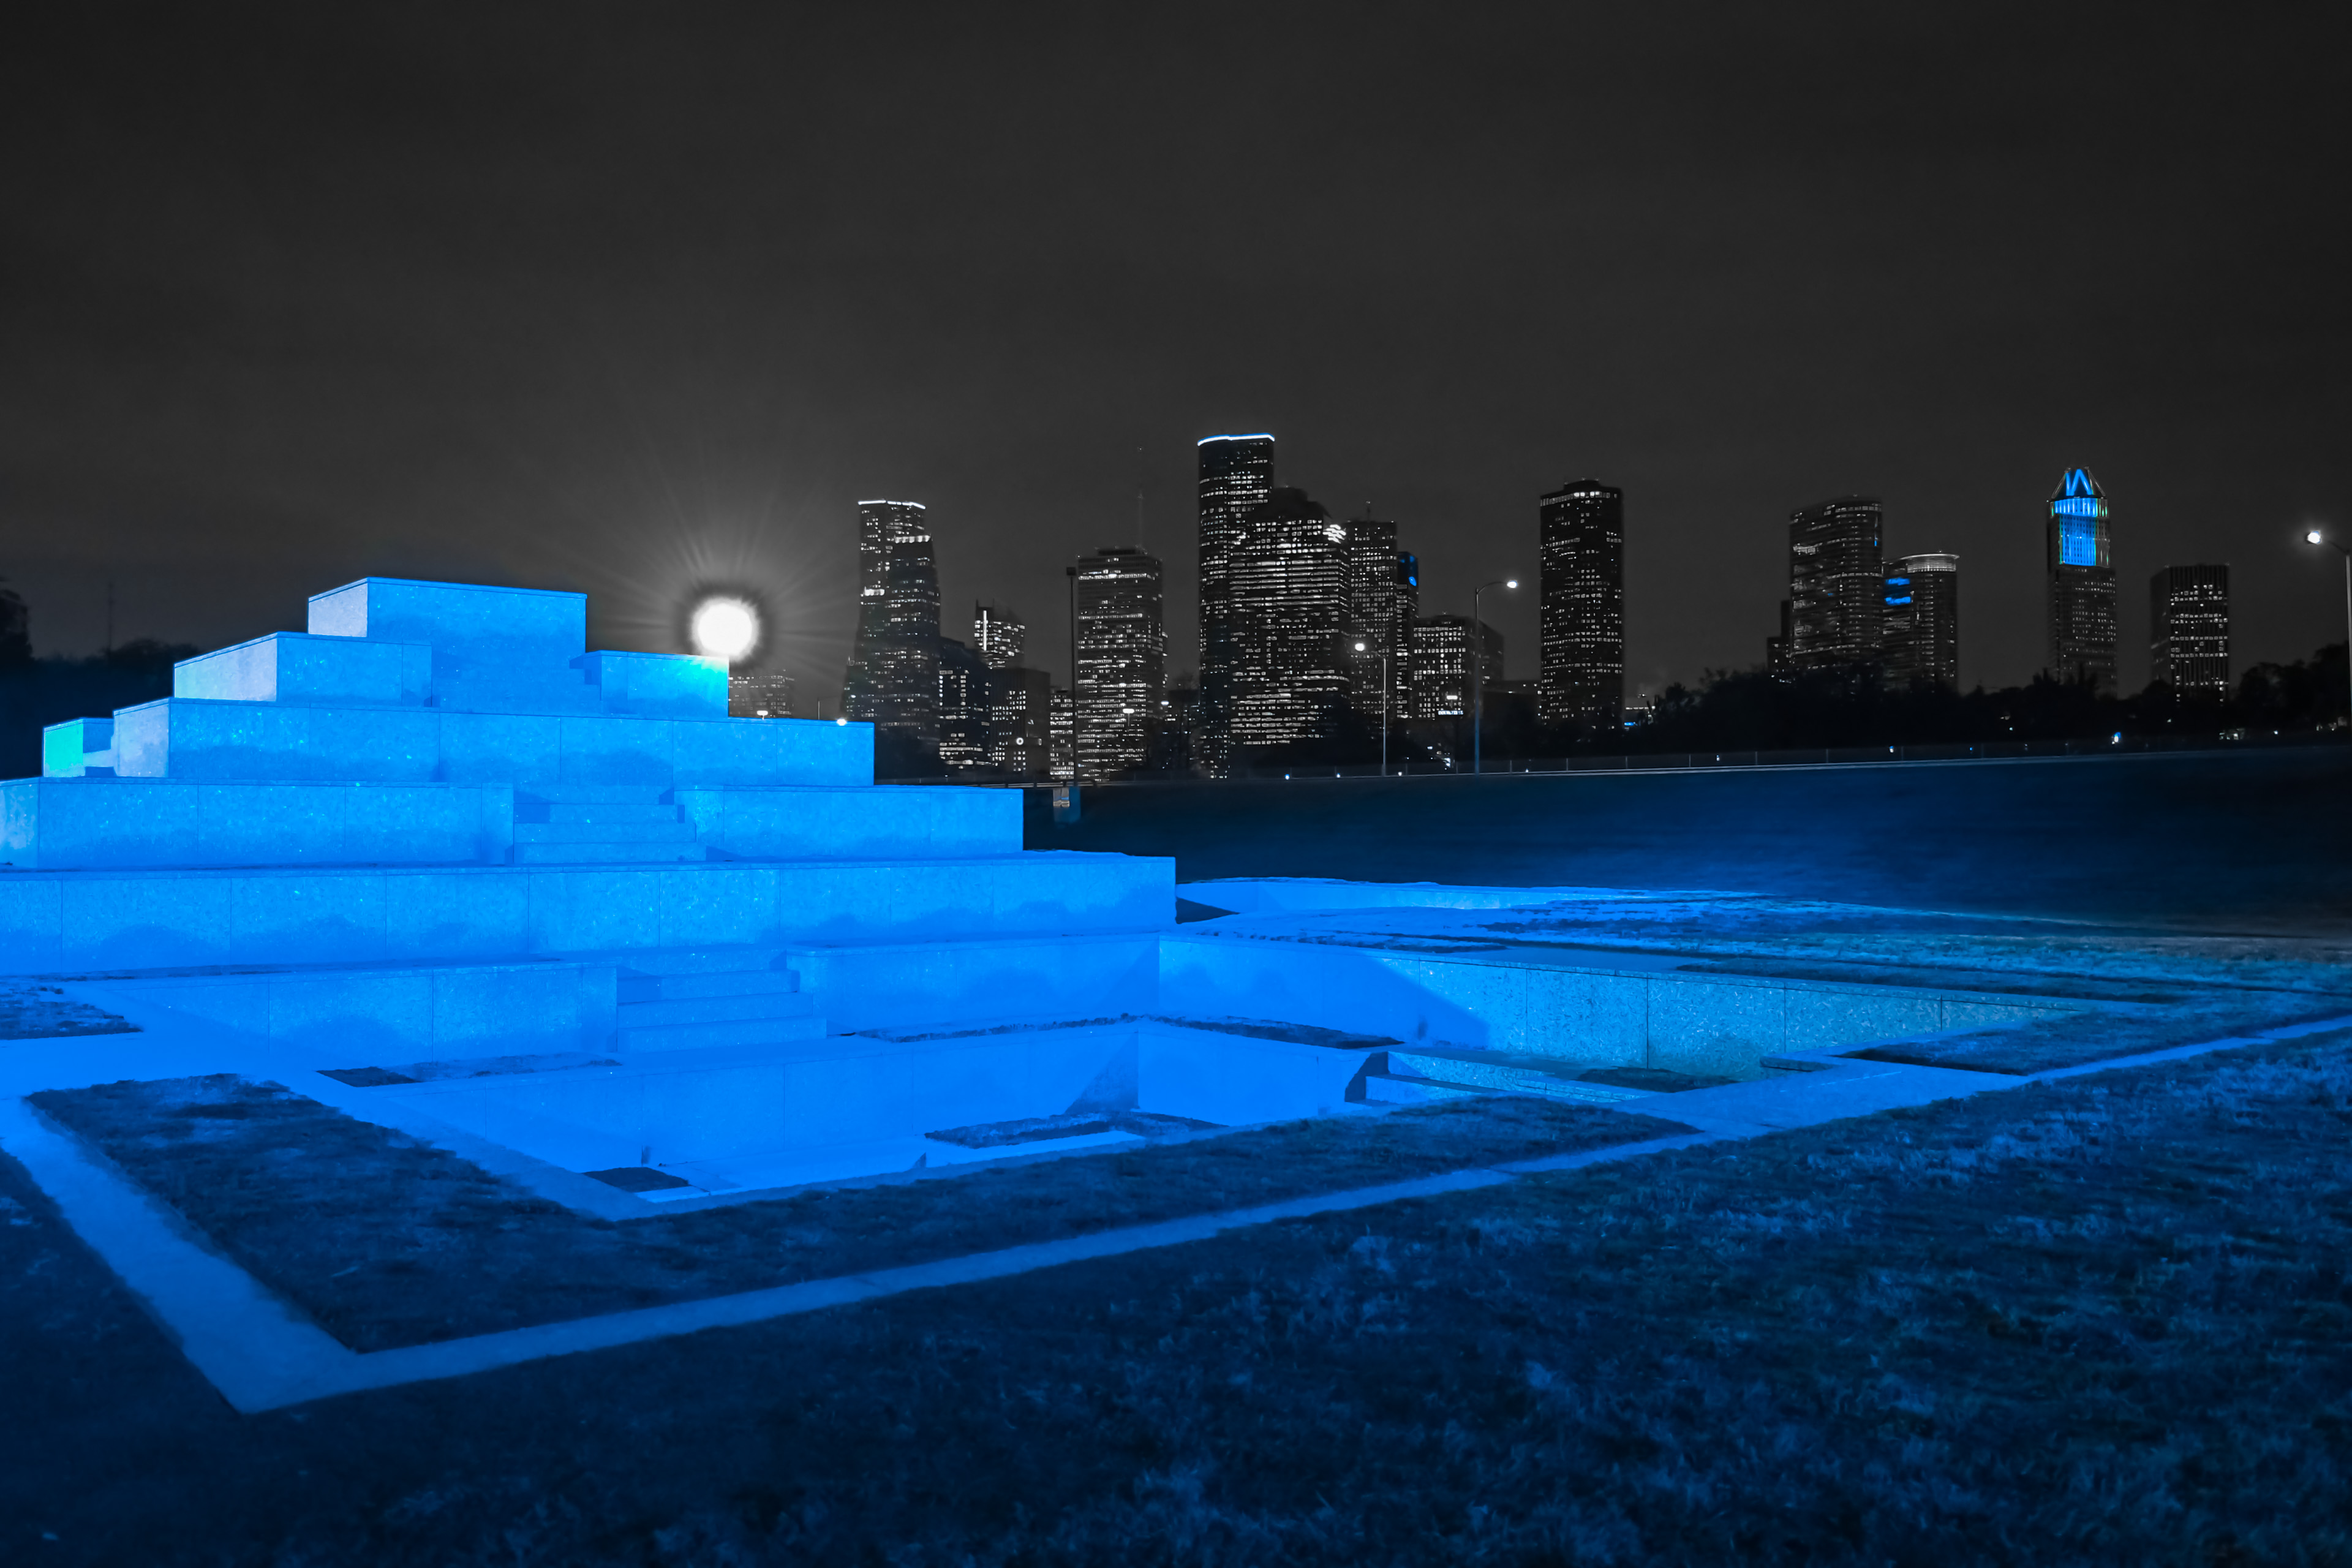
(388, 1241)
(2105, 1321)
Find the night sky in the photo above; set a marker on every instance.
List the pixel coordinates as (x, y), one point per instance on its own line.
(628, 298)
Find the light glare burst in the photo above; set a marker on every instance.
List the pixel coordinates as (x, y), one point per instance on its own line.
(724, 628)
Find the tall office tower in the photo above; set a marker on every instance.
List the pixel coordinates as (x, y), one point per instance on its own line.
(1368, 626)
(1059, 737)
(1835, 585)
(1288, 605)
(1581, 536)
(1442, 686)
(1020, 725)
(2082, 583)
(1776, 648)
(760, 694)
(997, 636)
(2189, 629)
(1921, 633)
(964, 706)
(1236, 478)
(894, 666)
(1122, 677)
(1408, 616)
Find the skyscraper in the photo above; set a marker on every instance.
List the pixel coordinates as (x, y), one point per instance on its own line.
(1922, 621)
(2082, 583)
(1378, 616)
(997, 636)
(1440, 665)
(1408, 616)
(964, 704)
(1122, 673)
(2189, 629)
(894, 666)
(1287, 604)
(1236, 477)
(1581, 536)
(1836, 586)
(759, 693)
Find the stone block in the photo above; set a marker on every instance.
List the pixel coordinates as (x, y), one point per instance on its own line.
(467, 623)
(78, 748)
(290, 667)
(659, 685)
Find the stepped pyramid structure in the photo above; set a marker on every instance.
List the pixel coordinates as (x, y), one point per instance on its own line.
(435, 823)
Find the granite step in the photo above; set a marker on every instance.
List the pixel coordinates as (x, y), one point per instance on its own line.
(691, 1036)
(714, 1009)
(606, 853)
(1503, 1072)
(596, 814)
(670, 832)
(640, 987)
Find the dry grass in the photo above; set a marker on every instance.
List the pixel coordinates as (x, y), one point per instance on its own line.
(388, 1241)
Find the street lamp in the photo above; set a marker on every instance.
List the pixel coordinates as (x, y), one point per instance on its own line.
(2315, 537)
(1478, 669)
(1384, 709)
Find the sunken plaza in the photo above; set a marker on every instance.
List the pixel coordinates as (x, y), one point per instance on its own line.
(456, 1076)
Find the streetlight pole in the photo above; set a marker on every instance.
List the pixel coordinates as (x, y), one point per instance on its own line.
(1477, 645)
(2315, 537)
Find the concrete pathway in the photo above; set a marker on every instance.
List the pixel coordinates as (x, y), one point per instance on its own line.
(261, 1355)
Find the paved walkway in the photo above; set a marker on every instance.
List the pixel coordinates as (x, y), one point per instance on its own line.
(261, 1355)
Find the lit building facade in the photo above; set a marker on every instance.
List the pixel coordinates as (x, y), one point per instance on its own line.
(1921, 621)
(2082, 583)
(2189, 629)
(1287, 604)
(997, 636)
(1122, 675)
(760, 694)
(1236, 478)
(1836, 587)
(964, 704)
(1442, 683)
(1580, 536)
(894, 665)
(1383, 598)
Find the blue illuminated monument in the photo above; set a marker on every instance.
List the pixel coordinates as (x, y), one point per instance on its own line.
(441, 775)
(2082, 583)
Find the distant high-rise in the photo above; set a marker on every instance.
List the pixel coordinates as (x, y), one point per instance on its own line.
(1287, 602)
(2189, 629)
(1922, 621)
(1122, 673)
(2082, 600)
(1408, 616)
(1381, 607)
(894, 666)
(997, 636)
(1836, 586)
(1020, 738)
(1236, 478)
(964, 704)
(1581, 537)
(759, 693)
(1441, 685)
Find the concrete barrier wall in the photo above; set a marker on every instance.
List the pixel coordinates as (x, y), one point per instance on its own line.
(1584, 1016)
(369, 1018)
(53, 921)
(217, 741)
(62, 824)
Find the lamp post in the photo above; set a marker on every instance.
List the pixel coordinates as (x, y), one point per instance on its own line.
(1384, 709)
(1479, 670)
(2316, 537)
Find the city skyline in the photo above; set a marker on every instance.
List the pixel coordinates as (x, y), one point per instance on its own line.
(765, 293)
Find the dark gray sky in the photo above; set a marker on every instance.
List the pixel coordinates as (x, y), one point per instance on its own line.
(625, 297)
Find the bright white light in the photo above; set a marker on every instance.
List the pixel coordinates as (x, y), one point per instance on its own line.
(1512, 583)
(843, 722)
(1360, 647)
(724, 628)
(2314, 537)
